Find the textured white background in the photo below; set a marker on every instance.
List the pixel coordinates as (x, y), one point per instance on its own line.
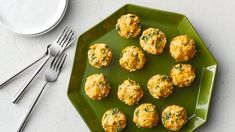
(213, 19)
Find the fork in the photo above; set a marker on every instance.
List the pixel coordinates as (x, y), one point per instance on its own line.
(4, 83)
(56, 48)
(50, 75)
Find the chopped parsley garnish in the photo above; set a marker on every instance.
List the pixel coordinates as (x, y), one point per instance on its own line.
(93, 57)
(138, 125)
(155, 32)
(132, 16)
(105, 115)
(147, 110)
(119, 129)
(137, 112)
(156, 87)
(131, 82)
(166, 117)
(101, 84)
(133, 47)
(179, 67)
(114, 111)
(165, 77)
(146, 37)
(121, 55)
(103, 51)
(117, 27)
(129, 34)
(138, 24)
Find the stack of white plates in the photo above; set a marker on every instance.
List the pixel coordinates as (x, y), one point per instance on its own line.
(31, 17)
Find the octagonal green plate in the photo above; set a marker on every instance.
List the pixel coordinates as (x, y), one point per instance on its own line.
(195, 98)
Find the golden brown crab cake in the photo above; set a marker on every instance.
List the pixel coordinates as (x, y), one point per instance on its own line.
(182, 75)
(99, 55)
(113, 120)
(132, 58)
(153, 41)
(97, 87)
(174, 117)
(182, 48)
(130, 92)
(128, 26)
(145, 116)
(160, 86)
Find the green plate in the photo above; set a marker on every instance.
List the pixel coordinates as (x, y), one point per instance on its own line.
(195, 98)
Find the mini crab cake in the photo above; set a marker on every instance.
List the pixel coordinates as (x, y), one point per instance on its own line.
(160, 86)
(99, 55)
(153, 41)
(128, 26)
(132, 58)
(182, 75)
(182, 48)
(174, 117)
(129, 92)
(113, 120)
(97, 87)
(145, 116)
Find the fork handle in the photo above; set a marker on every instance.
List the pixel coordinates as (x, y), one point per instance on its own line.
(18, 73)
(30, 110)
(24, 88)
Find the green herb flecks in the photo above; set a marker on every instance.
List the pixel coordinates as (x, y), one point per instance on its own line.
(155, 33)
(139, 25)
(137, 113)
(101, 84)
(146, 37)
(118, 28)
(166, 117)
(115, 111)
(132, 16)
(165, 77)
(93, 57)
(146, 109)
(138, 125)
(121, 55)
(119, 129)
(179, 67)
(105, 116)
(157, 86)
(131, 82)
(129, 34)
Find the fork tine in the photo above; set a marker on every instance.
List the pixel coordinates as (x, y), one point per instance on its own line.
(61, 63)
(68, 38)
(62, 34)
(58, 61)
(65, 35)
(71, 41)
(54, 60)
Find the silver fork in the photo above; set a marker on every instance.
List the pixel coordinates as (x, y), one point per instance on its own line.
(4, 83)
(50, 75)
(56, 48)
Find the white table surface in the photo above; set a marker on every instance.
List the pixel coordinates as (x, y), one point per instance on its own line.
(213, 19)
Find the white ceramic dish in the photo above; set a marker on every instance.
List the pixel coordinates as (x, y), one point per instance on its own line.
(31, 17)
